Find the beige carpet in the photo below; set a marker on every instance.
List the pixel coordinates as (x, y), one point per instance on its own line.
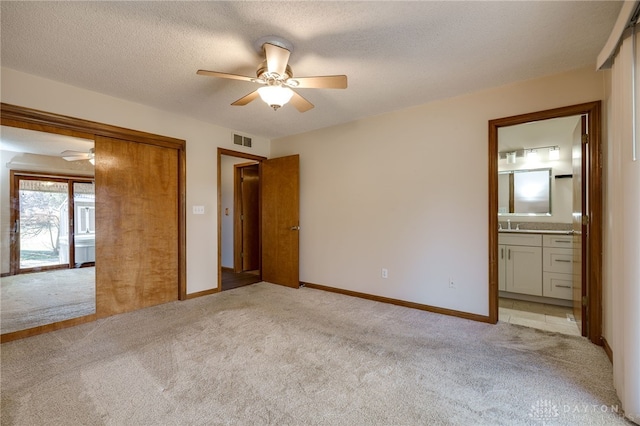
(270, 355)
(39, 298)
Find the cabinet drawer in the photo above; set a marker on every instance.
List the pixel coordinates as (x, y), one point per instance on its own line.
(565, 241)
(534, 240)
(557, 285)
(557, 260)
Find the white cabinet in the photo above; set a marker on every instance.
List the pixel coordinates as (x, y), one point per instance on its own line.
(520, 263)
(536, 264)
(557, 261)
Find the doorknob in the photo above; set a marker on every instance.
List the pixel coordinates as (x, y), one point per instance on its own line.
(295, 228)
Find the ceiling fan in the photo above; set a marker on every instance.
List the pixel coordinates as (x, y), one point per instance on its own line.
(276, 77)
(79, 155)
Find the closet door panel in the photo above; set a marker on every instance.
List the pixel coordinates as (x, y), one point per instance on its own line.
(137, 244)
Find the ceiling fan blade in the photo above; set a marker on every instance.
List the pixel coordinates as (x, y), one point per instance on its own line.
(277, 58)
(69, 153)
(322, 82)
(300, 103)
(76, 157)
(225, 75)
(246, 99)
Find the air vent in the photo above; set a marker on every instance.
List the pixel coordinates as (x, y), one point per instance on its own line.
(241, 140)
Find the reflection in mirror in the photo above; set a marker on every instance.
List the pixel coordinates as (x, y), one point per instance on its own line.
(525, 192)
(48, 228)
(539, 148)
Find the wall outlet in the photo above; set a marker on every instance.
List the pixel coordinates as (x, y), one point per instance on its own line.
(385, 273)
(452, 284)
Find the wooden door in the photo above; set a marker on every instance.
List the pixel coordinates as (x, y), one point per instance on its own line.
(137, 244)
(579, 163)
(248, 226)
(280, 179)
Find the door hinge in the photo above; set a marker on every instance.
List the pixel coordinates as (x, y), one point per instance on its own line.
(585, 300)
(242, 254)
(585, 220)
(241, 217)
(585, 139)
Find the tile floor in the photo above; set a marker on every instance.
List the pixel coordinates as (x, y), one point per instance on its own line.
(553, 318)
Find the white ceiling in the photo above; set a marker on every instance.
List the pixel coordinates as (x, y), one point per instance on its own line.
(15, 139)
(396, 54)
(536, 134)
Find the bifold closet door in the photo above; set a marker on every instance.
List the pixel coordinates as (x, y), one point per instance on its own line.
(137, 237)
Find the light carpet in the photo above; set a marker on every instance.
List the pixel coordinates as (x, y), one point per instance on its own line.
(270, 355)
(39, 298)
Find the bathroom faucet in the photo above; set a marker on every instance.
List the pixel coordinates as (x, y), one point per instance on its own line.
(509, 224)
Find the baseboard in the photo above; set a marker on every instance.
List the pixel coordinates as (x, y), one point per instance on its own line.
(413, 305)
(8, 337)
(5, 274)
(202, 293)
(607, 349)
(225, 269)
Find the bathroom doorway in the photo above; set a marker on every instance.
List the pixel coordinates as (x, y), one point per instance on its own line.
(580, 225)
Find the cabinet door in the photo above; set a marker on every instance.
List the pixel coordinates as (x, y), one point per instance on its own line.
(524, 270)
(502, 267)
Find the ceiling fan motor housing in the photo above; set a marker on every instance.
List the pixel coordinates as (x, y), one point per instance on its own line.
(263, 74)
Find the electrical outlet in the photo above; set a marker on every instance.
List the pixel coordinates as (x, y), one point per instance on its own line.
(451, 283)
(385, 273)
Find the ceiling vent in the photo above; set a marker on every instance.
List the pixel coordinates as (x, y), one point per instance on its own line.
(241, 140)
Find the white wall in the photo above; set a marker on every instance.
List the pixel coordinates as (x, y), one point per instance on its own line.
(408, 191)
(621, 260)
(203, 139)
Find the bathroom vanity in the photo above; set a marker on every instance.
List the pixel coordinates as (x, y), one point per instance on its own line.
(537, 264)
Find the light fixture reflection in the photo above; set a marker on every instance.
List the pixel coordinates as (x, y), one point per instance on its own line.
(275, 96)
(554, 153)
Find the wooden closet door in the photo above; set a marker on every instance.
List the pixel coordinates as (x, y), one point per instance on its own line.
(137, 240)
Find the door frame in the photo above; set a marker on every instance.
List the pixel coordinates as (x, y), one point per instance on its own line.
(14, 198)
(246, 156)
(238, 211)
(592, 281)
(32, 119)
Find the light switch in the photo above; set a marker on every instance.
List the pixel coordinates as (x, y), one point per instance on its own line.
(198, 209)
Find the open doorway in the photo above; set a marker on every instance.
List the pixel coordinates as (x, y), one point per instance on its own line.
(239, 210)
(279, 218)
(552, 252)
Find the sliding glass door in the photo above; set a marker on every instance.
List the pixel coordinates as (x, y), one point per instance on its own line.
(54, 223)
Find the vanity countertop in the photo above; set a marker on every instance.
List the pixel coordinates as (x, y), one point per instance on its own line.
(535, 231)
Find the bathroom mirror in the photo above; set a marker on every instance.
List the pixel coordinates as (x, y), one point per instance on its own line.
(524, 192)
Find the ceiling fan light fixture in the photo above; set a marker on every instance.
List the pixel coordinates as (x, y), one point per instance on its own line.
(275, 96)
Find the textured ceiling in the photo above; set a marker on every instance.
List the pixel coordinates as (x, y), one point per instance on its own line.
(396, 54)
(15, 139)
